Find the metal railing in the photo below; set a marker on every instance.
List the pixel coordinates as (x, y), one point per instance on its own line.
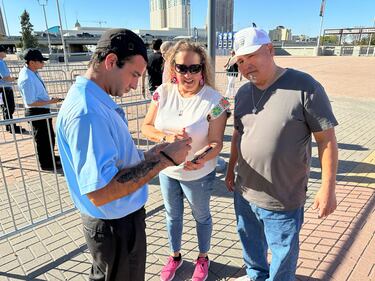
(30, 196)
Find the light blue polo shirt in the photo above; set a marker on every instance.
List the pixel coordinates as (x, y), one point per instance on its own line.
(94, 144)
(4, 72)
(32, 88)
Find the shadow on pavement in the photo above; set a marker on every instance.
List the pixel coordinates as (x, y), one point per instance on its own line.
(346, 166)
(348, 146)
(306, 278)
(13, 276)
(355, 229)
(217, 271)
(47, 267)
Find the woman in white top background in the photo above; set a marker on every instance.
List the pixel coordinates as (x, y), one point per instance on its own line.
(188, 106)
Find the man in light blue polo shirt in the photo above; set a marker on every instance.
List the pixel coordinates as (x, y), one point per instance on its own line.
(7, 96)
(106, 174)
(37, 102)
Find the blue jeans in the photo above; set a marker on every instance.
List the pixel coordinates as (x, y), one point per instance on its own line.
(259, 229)
(198, 193)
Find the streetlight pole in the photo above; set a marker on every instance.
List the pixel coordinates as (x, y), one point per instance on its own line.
(62, 36)
(43, 4)
(369, 41)
(5, 17)
(322, 8)
(211, 31)
(188, 19)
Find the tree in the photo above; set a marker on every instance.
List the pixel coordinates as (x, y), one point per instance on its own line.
(329, 40)
(27, 38)
(365, 40)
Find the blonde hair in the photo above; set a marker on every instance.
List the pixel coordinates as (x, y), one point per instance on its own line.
(186, 46)
(166, 46)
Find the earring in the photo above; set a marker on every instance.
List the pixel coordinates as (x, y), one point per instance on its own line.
(201, 82)
(174, 80)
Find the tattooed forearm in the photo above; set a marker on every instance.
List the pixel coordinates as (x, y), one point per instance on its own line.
(137, 172)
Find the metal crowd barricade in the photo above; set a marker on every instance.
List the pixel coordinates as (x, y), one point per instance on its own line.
(18, 102)
(15, 66)
(30, 196)
(221, 82)
(58, 88)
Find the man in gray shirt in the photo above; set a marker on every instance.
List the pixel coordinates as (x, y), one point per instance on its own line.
(275, 115)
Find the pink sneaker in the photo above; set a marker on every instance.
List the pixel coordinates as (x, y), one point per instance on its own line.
(201, 269)
(169, 269)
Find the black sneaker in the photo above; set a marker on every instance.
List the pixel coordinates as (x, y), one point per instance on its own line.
(17, 130)
(20, 130)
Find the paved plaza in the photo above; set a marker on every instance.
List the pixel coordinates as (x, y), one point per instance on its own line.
(338, 248)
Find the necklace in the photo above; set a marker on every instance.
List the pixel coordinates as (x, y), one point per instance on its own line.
(279, 72)
(255, 106)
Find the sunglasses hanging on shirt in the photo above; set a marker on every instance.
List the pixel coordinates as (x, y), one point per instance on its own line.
(183, 69)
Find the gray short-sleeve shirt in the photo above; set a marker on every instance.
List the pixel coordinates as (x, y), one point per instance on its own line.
(275, 143)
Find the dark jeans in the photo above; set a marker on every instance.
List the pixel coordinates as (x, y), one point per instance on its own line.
(9, 104)
(118, 247)
(41, 136)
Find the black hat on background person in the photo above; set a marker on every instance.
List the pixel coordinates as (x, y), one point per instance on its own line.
(33, 55)
(156, 44)
(3, 49)
(122, 42)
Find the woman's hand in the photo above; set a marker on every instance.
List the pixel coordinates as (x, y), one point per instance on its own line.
(178, 136)
(190, 166)
(200, 157)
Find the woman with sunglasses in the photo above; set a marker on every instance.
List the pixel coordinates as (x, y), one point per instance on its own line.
(188, 106)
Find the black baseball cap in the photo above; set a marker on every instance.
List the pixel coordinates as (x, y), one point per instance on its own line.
(3, 49)
(124, 42)
(34, 55)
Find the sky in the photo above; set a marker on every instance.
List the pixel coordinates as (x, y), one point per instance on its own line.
(301, 16)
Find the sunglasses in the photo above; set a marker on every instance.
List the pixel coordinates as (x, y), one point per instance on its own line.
(193, 68)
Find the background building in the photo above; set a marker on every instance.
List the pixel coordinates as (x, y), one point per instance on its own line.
(224, 15)
(158, 18)
(178, 14)
(280, 34)
(169, 14)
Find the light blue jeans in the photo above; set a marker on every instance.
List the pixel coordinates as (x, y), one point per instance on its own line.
(198, 193)
(259, 229)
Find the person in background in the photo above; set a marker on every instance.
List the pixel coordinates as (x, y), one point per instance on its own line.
(232, 74)
(37, 102)
(107, 176)
(189, 106)
(154, 68)
(164, 48)
(7, 96)
(275, 115)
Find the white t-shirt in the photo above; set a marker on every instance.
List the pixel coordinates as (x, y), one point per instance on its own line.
(193, 113)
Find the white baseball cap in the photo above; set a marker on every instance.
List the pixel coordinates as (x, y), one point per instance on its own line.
(248, 40)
